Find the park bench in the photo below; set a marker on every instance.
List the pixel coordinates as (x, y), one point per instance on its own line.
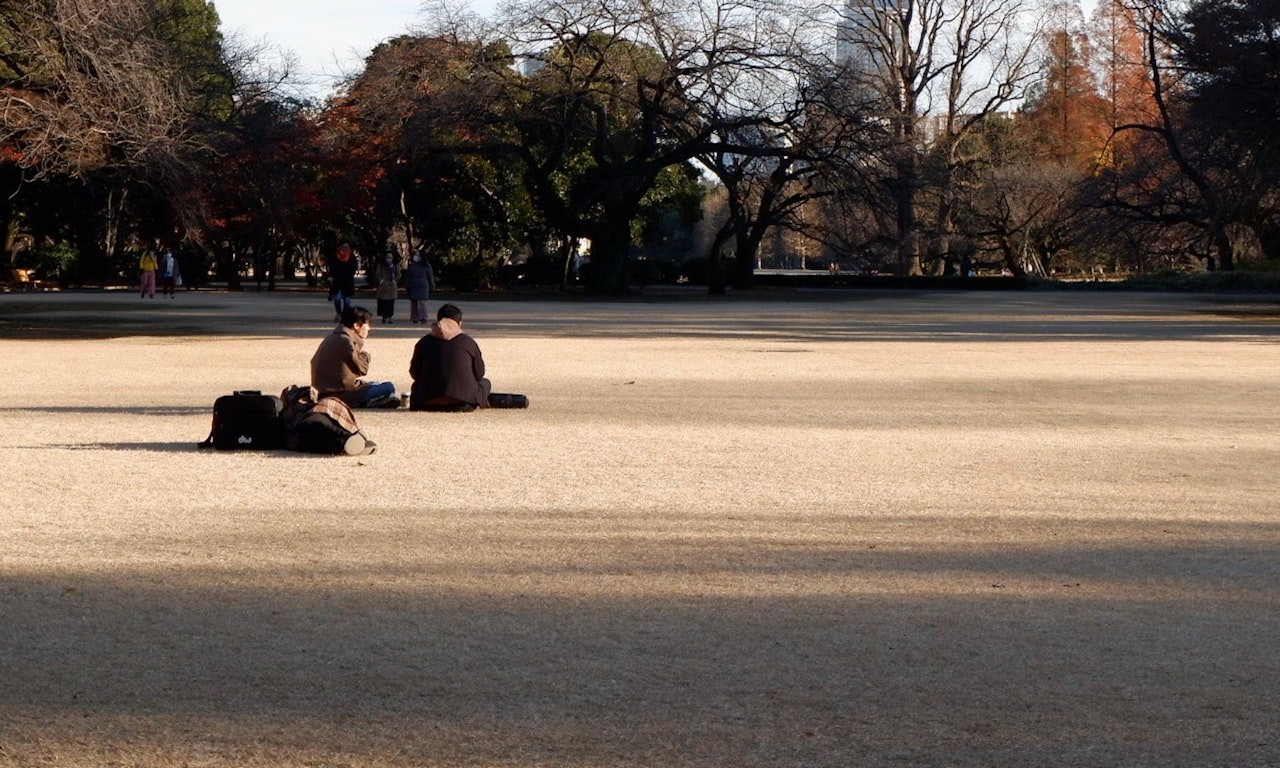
(24, 281)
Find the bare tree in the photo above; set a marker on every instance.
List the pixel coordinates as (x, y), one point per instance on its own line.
(88, 86)
(1024, 211)
(782, 128)
(87, 89)
(1213, 74)
(939, 69)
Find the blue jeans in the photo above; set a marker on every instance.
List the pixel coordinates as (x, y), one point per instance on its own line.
(340, 302)
(376, 391)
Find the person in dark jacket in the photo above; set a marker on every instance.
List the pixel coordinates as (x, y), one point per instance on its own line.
(388, 286)
(420, 280)
(342, 278)
(447, 367)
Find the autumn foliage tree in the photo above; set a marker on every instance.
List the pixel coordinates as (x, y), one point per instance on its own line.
(97, 99)
(412, 136)
(265, 201)
(1201, 175)
(1065, 117)
(1229, 55)
(1120, 68)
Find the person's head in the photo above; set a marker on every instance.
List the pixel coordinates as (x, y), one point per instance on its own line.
(449, 312)
(353, 317)
(391, 256)
(344, 251)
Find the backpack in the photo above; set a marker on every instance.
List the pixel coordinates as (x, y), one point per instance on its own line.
(246, 420)
(316, 425)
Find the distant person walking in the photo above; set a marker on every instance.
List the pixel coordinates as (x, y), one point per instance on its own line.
(420, 281)
(388, 286)
(342, 279)
(147, 266)
(169, 275)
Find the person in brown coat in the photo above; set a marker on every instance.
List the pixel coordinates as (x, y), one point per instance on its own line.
(341, 360)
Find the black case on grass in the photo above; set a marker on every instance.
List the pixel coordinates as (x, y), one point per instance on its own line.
(246, 420)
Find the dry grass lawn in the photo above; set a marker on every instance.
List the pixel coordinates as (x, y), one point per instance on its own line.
(876, 530)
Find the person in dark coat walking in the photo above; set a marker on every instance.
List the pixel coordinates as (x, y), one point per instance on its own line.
(342, 279)
(420, 281)
(388, 286)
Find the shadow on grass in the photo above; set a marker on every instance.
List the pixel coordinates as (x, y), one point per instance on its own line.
(119, 446)
(851, 316)
(757, 655)
(93, 410)
(182, 447)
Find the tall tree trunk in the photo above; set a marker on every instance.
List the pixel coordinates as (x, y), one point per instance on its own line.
(716, 255)
(608, 273)
(408, 220)
(1223, 247)
(750, 236)
(113, 221)
(905, 199)
(10, 184)
(744, 270)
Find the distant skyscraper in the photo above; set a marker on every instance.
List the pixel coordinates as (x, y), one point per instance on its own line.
(861, 35)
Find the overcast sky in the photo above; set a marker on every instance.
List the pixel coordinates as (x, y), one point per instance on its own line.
(330, 37)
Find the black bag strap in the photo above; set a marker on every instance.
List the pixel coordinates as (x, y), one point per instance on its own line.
(213, 428)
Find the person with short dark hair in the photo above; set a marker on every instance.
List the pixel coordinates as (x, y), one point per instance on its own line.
(448, 370)
(447, 367)
(341, 360)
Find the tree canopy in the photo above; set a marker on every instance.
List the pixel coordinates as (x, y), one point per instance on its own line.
(903, 137)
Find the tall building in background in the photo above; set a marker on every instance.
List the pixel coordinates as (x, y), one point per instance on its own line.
(862, 33)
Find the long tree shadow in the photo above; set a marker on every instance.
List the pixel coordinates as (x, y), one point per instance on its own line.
(92, 410)
(716, 652)
(156, 447)
(852, 316)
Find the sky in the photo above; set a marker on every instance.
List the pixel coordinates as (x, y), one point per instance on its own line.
(330, 37)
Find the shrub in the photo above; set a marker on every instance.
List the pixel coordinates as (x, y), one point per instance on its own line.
(51, 259)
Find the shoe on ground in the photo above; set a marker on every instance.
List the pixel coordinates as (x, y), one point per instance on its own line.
(503, 400)
(355, 445)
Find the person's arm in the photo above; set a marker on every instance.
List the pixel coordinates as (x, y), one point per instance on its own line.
(477, 362)
(358, 360)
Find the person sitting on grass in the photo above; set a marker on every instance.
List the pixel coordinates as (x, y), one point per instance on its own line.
(448, 370)
(341, 360)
